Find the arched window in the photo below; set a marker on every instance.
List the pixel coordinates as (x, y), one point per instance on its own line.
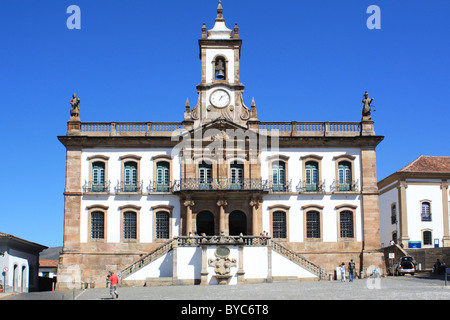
(129, 225)
(426, 211)
(98, 176)
(346, 224)
(162, 225)
(237, 175)
(205, 175)
(97, 225)
(130, 176)
(312, 224)
(427, 238)
(345, 176)
(393, 213)
(279, 225)
(162, 176)
(311, 176)
(278, 176)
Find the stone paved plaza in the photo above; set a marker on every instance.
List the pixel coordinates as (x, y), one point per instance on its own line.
(388, 288)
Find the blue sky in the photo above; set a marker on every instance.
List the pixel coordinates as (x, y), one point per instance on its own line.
(138, 60)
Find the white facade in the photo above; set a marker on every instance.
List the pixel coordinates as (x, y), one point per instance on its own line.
(414, 205)
(145, 201)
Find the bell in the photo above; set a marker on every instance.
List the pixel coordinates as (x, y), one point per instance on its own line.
(220, 74)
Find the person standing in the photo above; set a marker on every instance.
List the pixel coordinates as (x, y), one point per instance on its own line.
(351, 270)
(114, 279)
(343, 272)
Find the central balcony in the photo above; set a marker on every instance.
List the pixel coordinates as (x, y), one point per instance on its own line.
(220, 184)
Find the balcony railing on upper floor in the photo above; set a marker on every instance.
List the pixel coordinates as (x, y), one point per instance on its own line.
(293, 128)
(221, 184)
(130, 128)
(125, 187)
(96, 187)
(337, 186)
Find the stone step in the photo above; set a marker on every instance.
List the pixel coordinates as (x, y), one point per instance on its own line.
(161, 281)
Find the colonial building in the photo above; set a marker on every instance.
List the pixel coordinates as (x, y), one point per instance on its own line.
(414, 204)
(135, 192)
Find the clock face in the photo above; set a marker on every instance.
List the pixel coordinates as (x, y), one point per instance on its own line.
(220, 98)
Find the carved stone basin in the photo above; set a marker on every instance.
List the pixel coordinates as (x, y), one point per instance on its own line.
(222, 279)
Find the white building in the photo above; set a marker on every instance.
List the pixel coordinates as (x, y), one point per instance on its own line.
(414, 204)
(135, 191)
(19, 264)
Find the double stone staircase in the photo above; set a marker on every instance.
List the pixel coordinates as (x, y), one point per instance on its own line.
(222, 241)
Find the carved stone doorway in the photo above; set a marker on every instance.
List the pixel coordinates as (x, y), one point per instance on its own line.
(237, 223)
(205, 223)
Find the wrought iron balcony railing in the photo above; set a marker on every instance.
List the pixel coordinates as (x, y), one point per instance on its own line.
(123, 187)
(155, 186)
(344, 187)
(303, 186)
(93, 187)
(220, 184)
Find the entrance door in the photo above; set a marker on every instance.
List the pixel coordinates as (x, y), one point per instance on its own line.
(237, 222)
(205, 223)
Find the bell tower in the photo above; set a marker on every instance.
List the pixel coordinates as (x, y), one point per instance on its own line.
(220, 91)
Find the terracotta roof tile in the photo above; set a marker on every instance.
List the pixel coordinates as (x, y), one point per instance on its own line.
(428, 164)
(48, 263)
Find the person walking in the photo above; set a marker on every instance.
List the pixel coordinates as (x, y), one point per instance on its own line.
(114, 279)
(343, 272)
(351, 270)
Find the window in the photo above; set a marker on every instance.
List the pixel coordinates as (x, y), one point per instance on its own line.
(426, 211)
(393, 213)
(130, 177)
(279, 224)
(162, 176)
(205, 175)
(237, 175)
(162, 222)
(162, 225)
(313, 224)
(98, 176)
(97, 225)
(345, 176)
(427, 238)
(129, 225)
(278, 176)
(311, 176)
(346, 224)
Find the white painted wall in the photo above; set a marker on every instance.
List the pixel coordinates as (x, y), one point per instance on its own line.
(416, 193)
(386, 200)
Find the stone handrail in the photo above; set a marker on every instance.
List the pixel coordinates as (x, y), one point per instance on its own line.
(129, 128)
(297, 258)
(292, 128)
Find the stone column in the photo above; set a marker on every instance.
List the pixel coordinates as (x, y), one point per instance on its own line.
(222, 203)
(240, 273)
(204, 272)
(446, 237)
(189, 203)
(254, 203)
(403, 237)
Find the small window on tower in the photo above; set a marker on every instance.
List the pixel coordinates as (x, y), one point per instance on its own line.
(219, 68)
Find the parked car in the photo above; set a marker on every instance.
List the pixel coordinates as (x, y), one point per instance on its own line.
(406, 265)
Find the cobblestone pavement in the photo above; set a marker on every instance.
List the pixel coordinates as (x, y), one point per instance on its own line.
(389, 288)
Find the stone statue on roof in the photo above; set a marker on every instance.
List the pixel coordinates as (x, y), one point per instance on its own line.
(75, 107)
(366, 108)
